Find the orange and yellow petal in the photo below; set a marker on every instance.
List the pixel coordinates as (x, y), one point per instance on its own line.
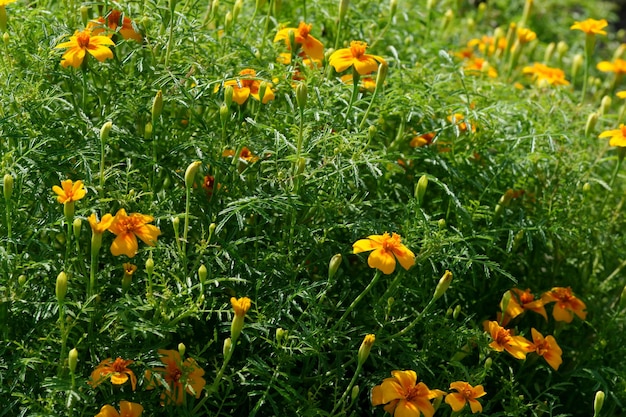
(456, 401)
(407, 409)
(128, 409)
(475, 406)
(377, 395)
(108, 411)
(405, 256)
(341, 60)
(365, 245)
(313, 48)
(148, 233)
(382, 260)
(125, 244)
(118, 378)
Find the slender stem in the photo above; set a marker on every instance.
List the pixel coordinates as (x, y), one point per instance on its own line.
(355, 91)
(9, 233)
(356, 301)
(101, 163)
(186, 226)
(220, 373)
(348, 390)
(413, 323)
(92, 274)
(170, 39)
(589, 43)
(63, 337)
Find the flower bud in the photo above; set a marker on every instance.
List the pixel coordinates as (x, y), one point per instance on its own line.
(333, 265)
(21, 279)
(228, 95)
(149, 266)
(300, 165)
(190, 173)
(61, 287)
(517, 240)
(202, 273)
(605, 105)
(129, 270)
(262, 90)
(8, 186)
(301, 95)
(381, 75)
(228, 21)
(3, 19)
(76, 225)
(157, 106)
(619, 51)
(420, 189)
(456, 312)
(371, 132)
(561, 49)
(212, 227)
(393, 7)
(598, 402)
(181, 349)
(281, 334)
(343, 8)
(354, 393)
(72, 360)
(228, 345)
(364, 349)
(442, 286)
(224, 113)
(6, 38)
(488, 364)
(441, 223)
(448, 17)
(577, 64)
(105, 130)
(592, 119)
(547, 56)
(176, 225)
(586, 187)
(237, 9)
(84, 14)
(147, 131)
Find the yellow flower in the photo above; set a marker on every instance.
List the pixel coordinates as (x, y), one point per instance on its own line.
(591, 26)
(248, 85)
(525, 35)
(566, 302)
(386, 249)
(311, 46)
(621, 94)
(81, 43)
(245, 155)
(128, 229)
(5, 2)
(241, 307)
(544, 75)
(618, 66)
(117, 370)
(127, 409)
(520, 302)
(503, 340)
(422, 140)
(618, 136)
(367, 83)
(71, 191)
(404, 397)
(465, 394)
(178, 375)
(102, 225)
(355, 55)
(477, 66)
(546, 347)
(129, 269)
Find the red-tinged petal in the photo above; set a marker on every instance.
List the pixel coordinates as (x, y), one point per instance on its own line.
(424, 405)
(382, 260)
(365, 65)
(125, 244)
(100, 52)
(407, 379)
(118, 219)
(404, 256)
(313, 48)
(455, 400)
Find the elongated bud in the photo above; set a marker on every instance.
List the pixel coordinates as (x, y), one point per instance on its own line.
(237, 9)
(157, 106)
(224, 113)
(228, 345)
(343, 8)
(598, 402)
(301, 95)
(21, 279)
(228, 95)
(547, 56)
(441, 223)
(592, 119)
(381, 75)
(577, 64)
(561, 49)
(105, 130)
(149, 266)
(366, 347)
(488, 364)
(448, 17)
(202, 273)
(176, 226)
(526, 14)
(281, 334)
(76, 225)
(212, 227)
(68, 210)
(371, 132)
(61, 287)
(430, 4)
(190, 173)
(181, 349)
(420, 189)
(228, 21)
(84, 14)
(605, 105)
(291, 37)
(300, 165)
(442, 286)
(8, 186)
(619, 51)
(393, 7)
(333, 265)
(456, 312)
(72, 360)
(262, 90)
(355, 392)
(517, 240)
(504, 302)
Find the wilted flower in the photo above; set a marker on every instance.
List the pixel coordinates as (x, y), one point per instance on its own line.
(117, 370)
(311, 47)
(591, 26)
(466, 394)
(386, 249)
(81, 43)
(128, 229)
(502, 338)
(566, 304)
(127, 409)
(404, 397)
(546, 347)
(355, 55)
(178, 375)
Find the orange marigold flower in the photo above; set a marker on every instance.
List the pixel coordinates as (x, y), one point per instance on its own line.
(386, 249)
(241, 307)
(248, 85)
(69, 191)
(504, 340)
(102, 225)
(525, 35)
(566, 304)
(117, 370)
(245, 154)
(543, 75)
(422, 140)
(127, 409)
(618, 66)
(546, 347)
(117, 23)
(81, 43)
(355, 55)
(618, 136)
(404, 397)
(179, 376)
(128, 229)
(459, 120)
(478, 66)
(310, 45)
(518, 303)
(591, 26)
(465, 394)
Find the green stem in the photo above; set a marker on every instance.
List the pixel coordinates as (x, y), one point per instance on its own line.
(186, 227)
(369, 107)
(356, 301)
(348, 390)
(355, 91)
(63, 338)
(9, 233)
(220, 373)
(589, 43)
(170, 39)
(413, 323)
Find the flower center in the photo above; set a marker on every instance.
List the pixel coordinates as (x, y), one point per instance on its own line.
(176, 374)
(83, 41)
(357, 48)
(526, 298)
(119, 365)
(623, 129)
(503, 337)
(467, 393)
(542, 348)
(304, 29)
(114, 19)
(130, 224)
(413, 393)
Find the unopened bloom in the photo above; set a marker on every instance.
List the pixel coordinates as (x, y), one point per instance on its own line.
(81, 43)
(128, 229)
(547, 348)
(70, 191)
(247, 85)
(179, 376)
(117, 370)
(355, 55)
(591, 26)
(566, 304)
(312, 47)
(618, 136)
(127, 409)
(241, 307)
(404, 397)
(504, 340)
(544, 76)
(520, 301)
(366, 347)
(386, 249)
(466, 394)
(525, 35)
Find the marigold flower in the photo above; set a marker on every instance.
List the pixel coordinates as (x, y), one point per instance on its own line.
(117, 370)
(127, 409)
(241, 307)
(180, 377)
(546, 347)
(312, 47)
(422, 140)
(459, 120)
(504, 340)
(478, 66)
(543, 75)
(621, 94)
(128, 229)
(518, 303)
(618, 136)
(525, 35)
(81, 43)
(113, 21)
(566, 303)
(102, 225)
(591, 26)
(71, 191)
(355, 55)
(618, 66)
(404, 397)
(386, 249)
(248, 85)
(6, 2)
(245, 155)
(465, 394)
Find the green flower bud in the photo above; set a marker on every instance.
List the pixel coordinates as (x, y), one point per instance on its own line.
(149, 266)
(598, 402)
(281, 334)
(448, 17)
(456, 312)
(21, 279)
(237, 9)
(84, 14)
(191, 172)
(157, 106)
(228, 95)
(6, 38)
(202, 273)
(420, 189)
(343, 8)
(8, 186)
(354, 393)
(365, 348)
(72, 360)
(605, 105)
(105, 130)
(592, 119)
(301, 95)
(61, 287)
(224, 113)
(147, 131)
(381, 75)
(76, 225)
(577, 64)
(393, 7)
(228, 21)
(441, 223)
(333, 265)
(228, 345)
(181, 349)
(442, 286)
(549, 52)
(262, 90)
(488, 364)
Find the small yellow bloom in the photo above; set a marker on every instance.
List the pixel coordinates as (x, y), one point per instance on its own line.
(248, 85)
(5, 2)
(386, 249)
(117, 370)
(547, 348)
(618, 66)
(591, 26)
(478, 66)
(566, 302)
(404, 396)
(502, 338)
(366, 347)
(128, 229)
(355, 55)
(81, 43)
(621, 94)
(543, 75)
(71, 191)
(525, 35)
(311, 47)
(127, 409)
(241, 306)
(459, 120)
(245, 155)
(465, 394)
